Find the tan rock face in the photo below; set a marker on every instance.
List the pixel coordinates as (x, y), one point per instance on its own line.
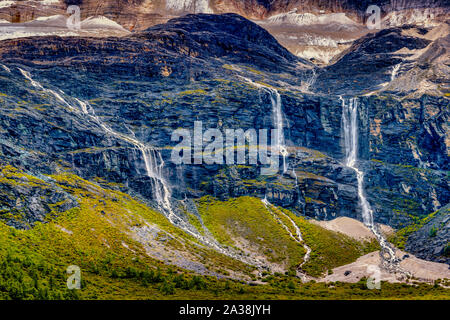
(130, 14)
(143, 13)
(24, 11)
(352, 228)
(312, 41)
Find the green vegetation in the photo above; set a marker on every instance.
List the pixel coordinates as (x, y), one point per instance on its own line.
(329, 249)
(433, 232)
(248, 218)
(194, 220)
(95, 237)
(246, 221)
(401, 236)
(191, 92)
(447, 250)
(100, 236)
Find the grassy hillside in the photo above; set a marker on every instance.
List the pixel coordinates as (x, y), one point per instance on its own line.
(248, 218)
(104, 235)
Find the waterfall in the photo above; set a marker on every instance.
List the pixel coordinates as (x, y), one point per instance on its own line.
(277, 112)
(311, 81)
(39, 86)
(298, 234)
(350, 125)
(154, 165)
(295, 176)
(395, 70)
(278, 123)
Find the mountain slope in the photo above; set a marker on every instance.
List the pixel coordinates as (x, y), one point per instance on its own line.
(118, 241)
(309, 29)
(85, 150)
(163, 76)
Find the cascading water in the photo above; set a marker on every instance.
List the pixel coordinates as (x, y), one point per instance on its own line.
(278, 123)
(295, 176)
(350, 125)
(395, 70)
(298, 234)
(349, 118)
(154, 165)
(310, 82)
(275, 99)
(6, 68)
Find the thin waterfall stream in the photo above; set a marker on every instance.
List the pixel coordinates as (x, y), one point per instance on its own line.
(277, 111)
(350, 126)
(154, 165)
(394, 71)
(278, 122)
(152, 157)
(298, 234)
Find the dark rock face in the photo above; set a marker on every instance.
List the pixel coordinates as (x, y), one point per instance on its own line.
(431, 242)
(229, 36)
(25, 199)
(148, 84)
(367, 63)
(404, 175)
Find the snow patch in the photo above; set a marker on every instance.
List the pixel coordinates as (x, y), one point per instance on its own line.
(49, 2)
(323, 54)
(424, 17)
(313, 40)
(13, 34)
(56, 25)
(6, 4)
(50, 18)
(309, 18)
(100, 22)
(194, 6)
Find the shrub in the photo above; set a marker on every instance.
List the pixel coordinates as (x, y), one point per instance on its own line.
(167, 288)
(447, 250)
(433, 232)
